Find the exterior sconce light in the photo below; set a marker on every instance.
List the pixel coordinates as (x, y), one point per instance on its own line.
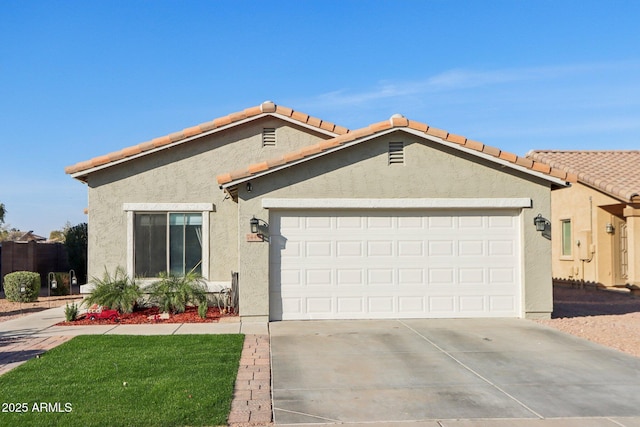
(249, 187)
(254, 222)
(541, 223)
(609, 228)
(73, 281)
(260, 229)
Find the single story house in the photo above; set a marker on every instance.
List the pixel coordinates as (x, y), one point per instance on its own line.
(598, 218)
(394, 220)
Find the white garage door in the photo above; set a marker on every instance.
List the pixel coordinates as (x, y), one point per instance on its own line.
(368, 264)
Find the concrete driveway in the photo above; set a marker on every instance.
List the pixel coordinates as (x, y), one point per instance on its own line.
(432, 369)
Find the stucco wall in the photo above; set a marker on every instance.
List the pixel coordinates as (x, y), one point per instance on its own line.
(183, 174)
(589, 211)
(430, 171)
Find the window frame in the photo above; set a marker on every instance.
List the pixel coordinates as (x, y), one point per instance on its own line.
(131, 209)
(563, 255)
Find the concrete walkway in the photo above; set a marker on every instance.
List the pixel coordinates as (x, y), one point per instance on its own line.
(27, 337)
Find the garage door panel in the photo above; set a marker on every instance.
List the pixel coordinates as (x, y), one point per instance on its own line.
(394, 264)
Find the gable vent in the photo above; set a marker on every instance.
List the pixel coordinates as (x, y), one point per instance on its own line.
(396, 153)
(269, 137)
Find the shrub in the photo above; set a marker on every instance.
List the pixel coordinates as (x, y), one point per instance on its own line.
(28, 280)
(174, 293)
(71, 312)
(118, 292)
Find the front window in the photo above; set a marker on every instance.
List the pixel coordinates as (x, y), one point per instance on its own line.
(167, 242)
(566, 237)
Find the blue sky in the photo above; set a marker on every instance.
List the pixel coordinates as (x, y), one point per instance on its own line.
(80, 79)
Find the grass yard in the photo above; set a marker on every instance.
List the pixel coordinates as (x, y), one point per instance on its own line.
(173, 380)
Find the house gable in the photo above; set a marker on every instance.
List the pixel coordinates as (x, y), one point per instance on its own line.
(464, 146)
(195, 133)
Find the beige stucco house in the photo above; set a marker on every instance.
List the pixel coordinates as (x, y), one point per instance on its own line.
(596, 221)
(394, 220)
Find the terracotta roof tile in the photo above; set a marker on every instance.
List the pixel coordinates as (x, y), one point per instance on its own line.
(420, 127)
(437, 132)
(380, 126)
(510, 157)
(328, 126)
(456, 139)
(192, 131)
(222, 121)
(314, 121)
(394, 122)
(285, 111)
(301, 117)
(495, 152)
(266, 107)
(252, 111)
(523, 161)
(236, 117)
(614, 172)
(101, 160)
(340, 130)
(475, 145)
(258, 167)
(159, 142)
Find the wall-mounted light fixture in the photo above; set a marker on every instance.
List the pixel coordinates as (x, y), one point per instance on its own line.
(541, 223)
(259, 227)
(249, 187)
(609, 228)
(254, 222)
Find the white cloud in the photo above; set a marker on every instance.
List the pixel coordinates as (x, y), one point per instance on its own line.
(461, 79)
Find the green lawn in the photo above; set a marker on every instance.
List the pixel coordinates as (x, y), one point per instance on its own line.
(174, 380)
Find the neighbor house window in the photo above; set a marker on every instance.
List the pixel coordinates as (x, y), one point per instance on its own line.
(168, 238)
(168, 242)
(566, 237)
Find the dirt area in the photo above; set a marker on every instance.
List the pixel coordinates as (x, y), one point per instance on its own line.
(10, 310)
(610, 318)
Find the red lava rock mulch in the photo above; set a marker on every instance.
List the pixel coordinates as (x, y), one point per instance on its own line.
(141, 316)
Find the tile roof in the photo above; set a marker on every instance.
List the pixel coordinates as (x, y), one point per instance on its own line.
(266, 108)
(396, 121)
(616, 173)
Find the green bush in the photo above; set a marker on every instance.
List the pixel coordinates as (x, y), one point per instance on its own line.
(172, 294)
(71, 312)
(118, 292)
(14, 282)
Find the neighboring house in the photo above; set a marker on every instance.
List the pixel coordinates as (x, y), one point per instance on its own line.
(596, 221)
(394, 220)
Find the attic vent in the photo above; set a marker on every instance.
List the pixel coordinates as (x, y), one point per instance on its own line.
(396, 153)
(269, 137)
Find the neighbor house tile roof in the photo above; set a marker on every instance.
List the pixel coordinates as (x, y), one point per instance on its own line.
(616, 173)
(395, 122)
(185, 135)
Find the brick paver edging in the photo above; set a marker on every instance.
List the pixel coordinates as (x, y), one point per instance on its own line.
(251, 404)
(16, 350)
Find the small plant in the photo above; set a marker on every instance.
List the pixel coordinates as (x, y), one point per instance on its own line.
(119, 292)
(22, 286)
(202, 310)
(71, 312)
(172, 294)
